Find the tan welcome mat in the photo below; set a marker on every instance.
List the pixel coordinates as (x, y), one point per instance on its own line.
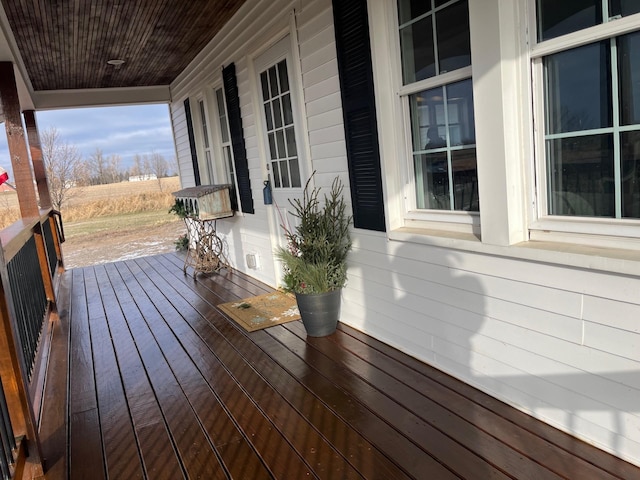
(263, 311)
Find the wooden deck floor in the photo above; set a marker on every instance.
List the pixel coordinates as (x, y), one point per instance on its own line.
(148, 379)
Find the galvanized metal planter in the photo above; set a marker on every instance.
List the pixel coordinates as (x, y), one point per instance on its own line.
(319, 312)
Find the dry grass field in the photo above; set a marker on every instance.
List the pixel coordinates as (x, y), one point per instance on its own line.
(104, 223)
(103, 200)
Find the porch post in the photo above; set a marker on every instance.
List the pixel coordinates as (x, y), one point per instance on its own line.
(17, 143)
(36, 158)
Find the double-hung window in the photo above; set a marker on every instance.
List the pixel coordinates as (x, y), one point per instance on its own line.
(438, 95)
(225, 138)
(206, 141)
(587, 68)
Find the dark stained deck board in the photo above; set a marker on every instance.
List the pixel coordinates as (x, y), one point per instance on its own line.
(300, 405)
(162, 385)
(86, 458)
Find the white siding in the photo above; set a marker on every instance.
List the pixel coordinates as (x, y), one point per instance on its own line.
(557, 341)
(183, 150)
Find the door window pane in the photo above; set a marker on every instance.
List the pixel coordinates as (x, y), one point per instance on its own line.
(581, 176)
(578, 89)
(279, 124)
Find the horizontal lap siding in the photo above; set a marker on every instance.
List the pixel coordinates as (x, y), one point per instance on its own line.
(321, 85)
(537, 336)
(183, 150)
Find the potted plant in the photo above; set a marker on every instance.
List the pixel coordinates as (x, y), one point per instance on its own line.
(314, 260)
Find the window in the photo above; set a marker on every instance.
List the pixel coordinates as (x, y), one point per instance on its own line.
(436, 72)
(225, 138)
(206, 143)
(283, 152)
(591, 112)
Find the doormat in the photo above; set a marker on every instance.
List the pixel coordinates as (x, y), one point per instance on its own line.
(263, 311)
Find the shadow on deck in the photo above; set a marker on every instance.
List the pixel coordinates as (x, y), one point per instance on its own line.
(148, 379)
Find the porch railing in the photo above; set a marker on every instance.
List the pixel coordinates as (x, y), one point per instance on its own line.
(30, 262)
(29, 298)
(7, 439)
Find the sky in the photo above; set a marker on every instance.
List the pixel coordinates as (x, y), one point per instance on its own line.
(126, 131)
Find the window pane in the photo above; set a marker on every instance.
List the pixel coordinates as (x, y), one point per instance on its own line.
(452, 31)
(465, 180)
(224, 128)
(267, 116)
(462, 130)
(418, 58)
(284, 171)
(282, 153)
(629, 66)
(286, 109)
(427, 119)
(282, 74)
(276, 175)
(578, 89)
(272, 146)
(264, 81)
(630, 147)
(291, 143)
(559, 17)
(581, 177)
(277, 113)
(294, 168)
(624, 7)
(273, 81)
(410, 9)
(432, 181)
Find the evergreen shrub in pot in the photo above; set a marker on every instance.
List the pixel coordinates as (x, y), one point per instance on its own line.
(315, 258)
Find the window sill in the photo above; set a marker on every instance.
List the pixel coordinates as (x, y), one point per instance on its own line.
(593, 258)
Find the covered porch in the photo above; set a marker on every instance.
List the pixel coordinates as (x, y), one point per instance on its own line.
(148, 379)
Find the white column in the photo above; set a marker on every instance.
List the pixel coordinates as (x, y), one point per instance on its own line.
(503, 117)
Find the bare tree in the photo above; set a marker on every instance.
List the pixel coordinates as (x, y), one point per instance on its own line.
(98, 167)
(63, 164)
(112, 173)
(159, 165)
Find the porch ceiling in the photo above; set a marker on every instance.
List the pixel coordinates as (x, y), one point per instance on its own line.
(65, 45)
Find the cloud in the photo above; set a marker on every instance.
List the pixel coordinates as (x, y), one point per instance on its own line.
(124, 131)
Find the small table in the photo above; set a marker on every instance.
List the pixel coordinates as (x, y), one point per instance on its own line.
(203, 206)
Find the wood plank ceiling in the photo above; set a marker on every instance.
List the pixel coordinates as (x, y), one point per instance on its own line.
(65, 44)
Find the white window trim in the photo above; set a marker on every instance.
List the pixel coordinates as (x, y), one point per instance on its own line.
(595, 232)
(412, 217)
(201, 150)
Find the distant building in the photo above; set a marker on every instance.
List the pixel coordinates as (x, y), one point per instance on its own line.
(142, 178)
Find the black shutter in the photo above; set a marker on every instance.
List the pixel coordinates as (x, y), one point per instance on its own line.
(237, 137)
(359, 112)
(192, 142)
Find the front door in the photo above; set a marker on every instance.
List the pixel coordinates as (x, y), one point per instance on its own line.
(281, 125)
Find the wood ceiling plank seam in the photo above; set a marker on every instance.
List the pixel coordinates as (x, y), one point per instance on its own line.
(60, 30)
(26, 30)
(43, 56)
(156, 17)
(83, 40)
(109, 40)
(75, 40)
(155, 38)
(128, 15)
(97, 75)
(91, 41)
